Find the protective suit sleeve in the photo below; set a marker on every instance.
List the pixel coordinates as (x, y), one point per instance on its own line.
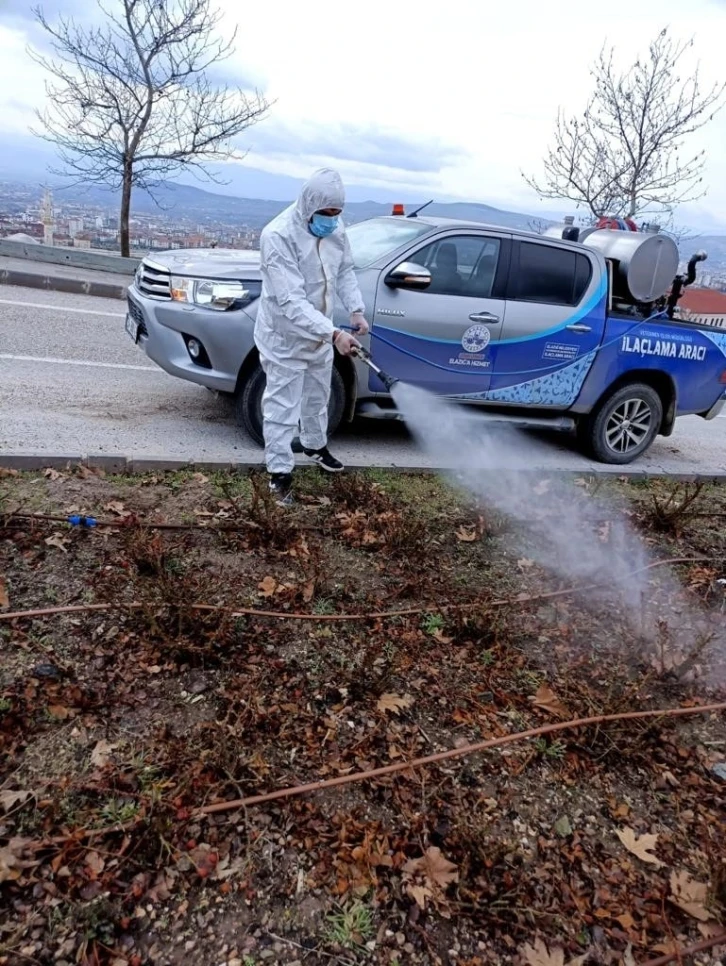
(347, 284)
(284, 282)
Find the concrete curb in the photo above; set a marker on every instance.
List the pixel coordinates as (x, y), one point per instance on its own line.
(58, 283)
(129, 465)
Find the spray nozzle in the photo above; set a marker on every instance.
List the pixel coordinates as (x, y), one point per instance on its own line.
(365, 356)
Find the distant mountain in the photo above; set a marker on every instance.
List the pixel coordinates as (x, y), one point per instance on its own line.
(206, 206)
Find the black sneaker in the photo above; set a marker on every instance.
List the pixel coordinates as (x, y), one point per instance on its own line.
(325, 459)
(281, 488)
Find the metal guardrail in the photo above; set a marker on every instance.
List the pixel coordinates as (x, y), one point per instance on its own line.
(74, 257)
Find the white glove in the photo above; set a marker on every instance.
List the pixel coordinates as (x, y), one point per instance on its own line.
(359, 324)
(344, 343)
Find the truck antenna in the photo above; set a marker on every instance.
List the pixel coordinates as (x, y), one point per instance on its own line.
(413, 214)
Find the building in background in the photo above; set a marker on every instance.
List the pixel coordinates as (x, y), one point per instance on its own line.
(705, 305)
(47, 217)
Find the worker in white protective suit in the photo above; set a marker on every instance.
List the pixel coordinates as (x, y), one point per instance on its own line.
(305, 262)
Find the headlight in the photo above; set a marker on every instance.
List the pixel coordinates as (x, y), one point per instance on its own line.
(214, 294)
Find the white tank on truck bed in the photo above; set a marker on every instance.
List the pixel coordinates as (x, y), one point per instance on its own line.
(644, 263)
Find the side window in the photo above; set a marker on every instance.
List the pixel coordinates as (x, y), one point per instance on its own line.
(461, 265)
(552, 275)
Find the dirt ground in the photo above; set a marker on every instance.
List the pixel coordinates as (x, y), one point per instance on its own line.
(600, 844)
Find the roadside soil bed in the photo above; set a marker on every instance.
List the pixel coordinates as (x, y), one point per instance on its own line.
(118, 725)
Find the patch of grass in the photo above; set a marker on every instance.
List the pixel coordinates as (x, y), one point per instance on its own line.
(432, 623)
(119, 811)
(323, 605)
(5, 705)
(174, 566)
(555, 750)
(350, 927)
(231, 484)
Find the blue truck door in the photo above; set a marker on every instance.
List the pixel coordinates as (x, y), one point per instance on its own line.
(554, 323)
(440, 338)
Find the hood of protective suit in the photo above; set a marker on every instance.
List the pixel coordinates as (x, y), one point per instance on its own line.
(323, 190)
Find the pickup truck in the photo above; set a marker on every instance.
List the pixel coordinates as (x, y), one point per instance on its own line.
(573, 332)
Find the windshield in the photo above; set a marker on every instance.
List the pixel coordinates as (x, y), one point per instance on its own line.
(371, 240)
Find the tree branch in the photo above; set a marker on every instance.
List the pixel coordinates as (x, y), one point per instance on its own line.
(130, 101)
(623, 157)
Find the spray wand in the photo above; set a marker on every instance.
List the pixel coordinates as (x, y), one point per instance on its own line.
(365, 356)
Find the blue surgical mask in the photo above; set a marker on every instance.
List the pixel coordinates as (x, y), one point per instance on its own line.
(323, 225)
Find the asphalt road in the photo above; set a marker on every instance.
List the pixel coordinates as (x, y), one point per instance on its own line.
(72, 382)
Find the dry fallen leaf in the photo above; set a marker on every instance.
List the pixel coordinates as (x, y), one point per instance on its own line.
(466, 534)
(57, 540)
(626, 920)
(309, 591)
(689, 895)
(628, 958)
(4, 599)
(438, 635)
(667, 948)
(51, 474)
(540, 955)
(641, 847)
(9, 799)
(394, 703)
(541, 487)
(436, 869)
(546, 699)
(117, 508)
(525, 563)
(419, 894)
(710, 929)
(101, 754)
(59, 711)
(267, 587)
(95, 863)
(9, 865)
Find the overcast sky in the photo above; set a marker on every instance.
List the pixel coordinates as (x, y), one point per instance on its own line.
(451, 98)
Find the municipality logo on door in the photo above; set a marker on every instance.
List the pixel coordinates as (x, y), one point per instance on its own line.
(475, 339)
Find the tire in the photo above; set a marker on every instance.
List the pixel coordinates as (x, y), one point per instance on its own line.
(249, 404)
(623, 425)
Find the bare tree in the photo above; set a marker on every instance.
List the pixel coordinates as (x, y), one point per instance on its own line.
(538, 225)
(130, 102)
(624, 157)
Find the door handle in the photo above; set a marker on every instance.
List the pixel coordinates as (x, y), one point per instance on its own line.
(486, 317)
(578, 327)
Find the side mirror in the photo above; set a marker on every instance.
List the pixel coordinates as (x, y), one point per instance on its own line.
(409, 275)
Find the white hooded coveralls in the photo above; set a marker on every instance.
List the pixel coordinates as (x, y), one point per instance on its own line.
(301, 275)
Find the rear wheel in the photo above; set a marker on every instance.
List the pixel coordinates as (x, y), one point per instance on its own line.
(624, 424)
(249, 404)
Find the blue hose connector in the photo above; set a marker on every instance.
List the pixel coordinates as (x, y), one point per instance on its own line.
(76, 520)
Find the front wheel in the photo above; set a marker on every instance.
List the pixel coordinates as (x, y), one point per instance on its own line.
(249, 404)
(624, 424)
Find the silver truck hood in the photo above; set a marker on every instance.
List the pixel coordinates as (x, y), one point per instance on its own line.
(208, 262)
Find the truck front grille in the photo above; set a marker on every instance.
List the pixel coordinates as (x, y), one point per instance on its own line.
(137, 315)
(153, 281)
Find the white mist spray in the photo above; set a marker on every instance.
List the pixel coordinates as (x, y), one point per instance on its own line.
(563, 528)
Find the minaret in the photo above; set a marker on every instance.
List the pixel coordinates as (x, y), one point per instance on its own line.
(46, 216)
